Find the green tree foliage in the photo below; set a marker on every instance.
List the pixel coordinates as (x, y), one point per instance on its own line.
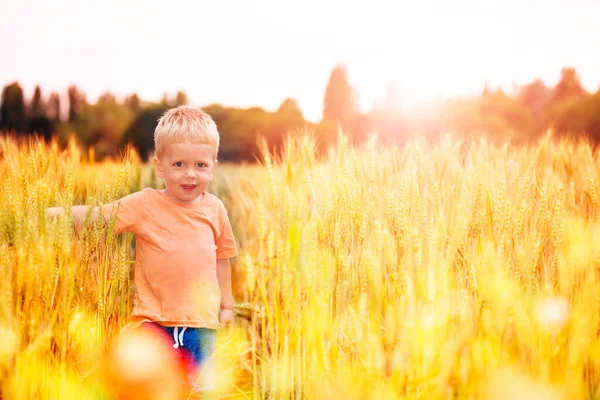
(132, 102)
(108, 121)
(534, 96)
(287, 120)
(77, 102)
(13, 117)
(140, 132)
(570, 105)
(568, 87)
(493, 114)
(577, 116)
(239, 129)
(109, 124)
(181, 99)
(39, 123)
(54, 108)
(37, 107)
(101, 125)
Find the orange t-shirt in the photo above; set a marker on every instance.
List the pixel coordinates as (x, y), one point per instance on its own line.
(177, 248)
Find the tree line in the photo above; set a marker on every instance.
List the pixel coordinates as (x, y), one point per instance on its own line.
(528, 113)
(109, 124)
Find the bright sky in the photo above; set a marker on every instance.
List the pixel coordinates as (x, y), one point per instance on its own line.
(244, 53)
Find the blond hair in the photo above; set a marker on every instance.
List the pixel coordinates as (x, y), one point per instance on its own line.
(185, 124)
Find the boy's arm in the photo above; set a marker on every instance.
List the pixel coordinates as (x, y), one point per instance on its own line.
(224, 277)
(79, 213)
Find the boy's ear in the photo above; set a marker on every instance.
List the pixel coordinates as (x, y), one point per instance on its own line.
(212, 170)
(159, 168)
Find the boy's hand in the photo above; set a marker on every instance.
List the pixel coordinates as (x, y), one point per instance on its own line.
(226, 317)
(54, 212)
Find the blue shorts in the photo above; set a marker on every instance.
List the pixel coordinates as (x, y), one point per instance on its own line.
(195, 347)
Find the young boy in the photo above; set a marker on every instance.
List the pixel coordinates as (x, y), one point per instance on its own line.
(183, 241)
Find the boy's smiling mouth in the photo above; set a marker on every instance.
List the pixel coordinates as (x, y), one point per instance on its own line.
(188, 188)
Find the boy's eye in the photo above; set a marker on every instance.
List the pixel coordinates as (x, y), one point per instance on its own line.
(178, 164)
(201, 165)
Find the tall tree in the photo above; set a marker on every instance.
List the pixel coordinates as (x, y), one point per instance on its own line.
(286, 120)
(108, 120)
(566, 112)
(37, 107)
(568, 87)
(291, 109)
(39, 123)
(12, 110)
(165, 100)
(577, 117)
(76, 102)
(140, 132)
(535, 96)
(181, 99)
(132, 102)
(340, 98)
(107, 98)
(54, 107)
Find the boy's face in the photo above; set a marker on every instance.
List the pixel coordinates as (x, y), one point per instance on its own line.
(187, 169)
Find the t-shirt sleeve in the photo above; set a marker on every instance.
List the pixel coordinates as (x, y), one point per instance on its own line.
(127, 212)
(226, 245)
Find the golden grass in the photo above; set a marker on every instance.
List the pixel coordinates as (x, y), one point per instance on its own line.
(432, 271)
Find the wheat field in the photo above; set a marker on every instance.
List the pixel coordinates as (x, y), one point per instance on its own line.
(428, 271)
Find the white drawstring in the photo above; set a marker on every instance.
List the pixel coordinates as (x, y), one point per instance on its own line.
(180, 341)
